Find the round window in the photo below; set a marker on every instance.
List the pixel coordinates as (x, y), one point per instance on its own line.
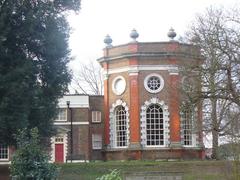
(119, 85)
(153, 83)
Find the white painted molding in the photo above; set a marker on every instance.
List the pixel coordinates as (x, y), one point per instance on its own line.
(65, 147)
(78, 161)
(105, 74)
(137, 68)
(5, 162)
(69, 123)
(133, 73)
(120, 90)
(52, 152)
(112, 123)
(76, 101)
(173, 71)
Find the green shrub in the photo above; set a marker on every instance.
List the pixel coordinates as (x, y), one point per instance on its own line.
(30, 161)
(114, 175)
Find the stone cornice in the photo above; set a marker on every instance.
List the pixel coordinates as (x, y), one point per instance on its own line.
(157, 54)
(137, 68)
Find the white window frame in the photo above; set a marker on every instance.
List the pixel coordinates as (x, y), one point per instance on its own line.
(161, 123)
(1, 151)
(144, 124)
(58, 115)
(96, 116)
(119, 126)
(192, 135)
(147, 79)
(115, 81)
(112, 128)
(96, 141)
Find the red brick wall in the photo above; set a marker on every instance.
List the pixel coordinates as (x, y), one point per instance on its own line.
(96, 104)
(80, 134)
(157, 154)
(80, 143)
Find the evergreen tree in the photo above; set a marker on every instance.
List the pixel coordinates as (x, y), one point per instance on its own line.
(34, 55)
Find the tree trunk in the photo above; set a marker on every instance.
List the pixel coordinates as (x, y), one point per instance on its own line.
(215, 132)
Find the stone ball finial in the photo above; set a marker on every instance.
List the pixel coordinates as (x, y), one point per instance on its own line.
(171, 34)
(134, 35)
(108, 41)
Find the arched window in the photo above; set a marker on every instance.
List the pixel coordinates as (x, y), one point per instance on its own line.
(121, 126)
(154, 125)
(187, 126)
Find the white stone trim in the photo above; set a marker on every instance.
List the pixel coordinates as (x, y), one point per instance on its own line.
(65, 147)
(75, 106)
(113, 124)
(5, 162)
(173, 71)
(52, 155)
(157, 67)
(78, 161)
(105, 74)
(165, 120)
(117, 91)
(146, 83)
(137, 68)
(76, 101)
(69, 123)
(133, 73)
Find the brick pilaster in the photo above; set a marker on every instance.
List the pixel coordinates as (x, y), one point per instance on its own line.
(175, 136)
(133, 47)
(106, 106)
(134, 109)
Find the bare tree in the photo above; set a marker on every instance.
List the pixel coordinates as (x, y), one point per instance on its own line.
(89, 79)
(217, 33)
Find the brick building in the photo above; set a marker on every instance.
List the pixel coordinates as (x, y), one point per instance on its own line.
(140, 116)
(79, 127)
(144, 117)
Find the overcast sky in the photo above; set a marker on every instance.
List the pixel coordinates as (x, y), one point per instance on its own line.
(151, 18)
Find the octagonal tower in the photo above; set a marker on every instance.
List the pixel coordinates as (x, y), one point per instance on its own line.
(143, 118)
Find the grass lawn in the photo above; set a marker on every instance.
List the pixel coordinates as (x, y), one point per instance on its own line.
(191, 170)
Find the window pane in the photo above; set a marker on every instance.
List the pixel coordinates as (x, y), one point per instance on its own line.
(59, 139)
(96, 141)
(154, 120)
(153, 83)
(186, 117)
(121, 126)
(3, 152)
(96, 116)
(62, 114)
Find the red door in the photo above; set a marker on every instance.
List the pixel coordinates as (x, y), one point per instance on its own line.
(59, 153)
